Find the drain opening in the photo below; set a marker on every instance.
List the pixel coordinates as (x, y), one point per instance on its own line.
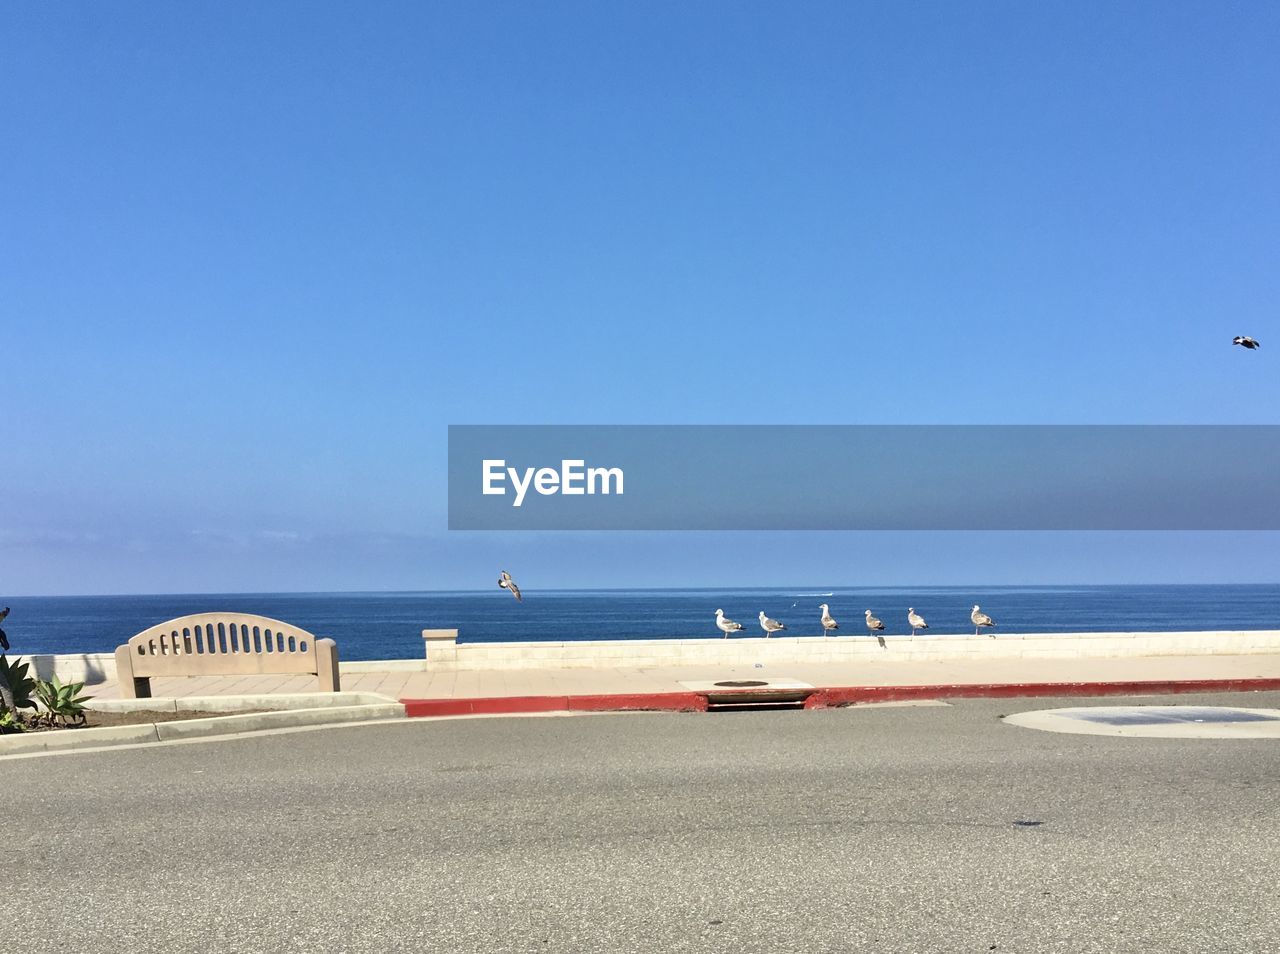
(761, 706)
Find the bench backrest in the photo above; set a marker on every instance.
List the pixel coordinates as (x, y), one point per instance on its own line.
(222, 644)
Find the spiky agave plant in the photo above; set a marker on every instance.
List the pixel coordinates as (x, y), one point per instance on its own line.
(7, 702)
(15, 686)
(62, 703)
(15, 692)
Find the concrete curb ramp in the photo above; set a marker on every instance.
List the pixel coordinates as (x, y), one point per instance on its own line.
(820, 698)
(70, 740)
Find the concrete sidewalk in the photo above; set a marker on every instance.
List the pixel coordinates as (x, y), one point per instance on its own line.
(1085, 674)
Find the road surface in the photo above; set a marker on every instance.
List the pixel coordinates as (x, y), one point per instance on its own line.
(910, 829)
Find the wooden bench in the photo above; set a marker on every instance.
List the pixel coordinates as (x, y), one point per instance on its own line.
(223, 644)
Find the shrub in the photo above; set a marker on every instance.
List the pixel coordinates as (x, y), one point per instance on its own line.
(62, 703)
(15, 694)
(13, 677)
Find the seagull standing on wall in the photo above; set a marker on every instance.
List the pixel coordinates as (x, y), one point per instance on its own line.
(873, 624)
(916, 620)
(726, 626)
(1246, 341)
(770, 626)
(980, 620)
(506, 583)
(828, 621)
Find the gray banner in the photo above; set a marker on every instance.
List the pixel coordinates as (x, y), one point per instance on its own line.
(864, 477)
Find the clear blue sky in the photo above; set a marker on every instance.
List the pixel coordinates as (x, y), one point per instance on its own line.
(257, 257)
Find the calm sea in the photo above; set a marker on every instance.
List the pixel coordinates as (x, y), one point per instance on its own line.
(388, 625)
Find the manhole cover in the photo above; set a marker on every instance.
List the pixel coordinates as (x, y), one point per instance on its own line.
(742, 683)
(1168, 722)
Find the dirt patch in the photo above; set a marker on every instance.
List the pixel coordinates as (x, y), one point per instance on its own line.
(97, 720)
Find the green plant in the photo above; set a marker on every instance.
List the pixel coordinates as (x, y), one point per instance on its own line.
(62, 703)
(15, 686)
(6, 694)
(10, 721)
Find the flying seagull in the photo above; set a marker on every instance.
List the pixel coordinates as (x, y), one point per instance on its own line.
(980, 620)
(873, 624)
(727, 626)
(1246, 341)
(916, 620)
(506, 583)
(770, 626)
(4, 640)
(828, 622)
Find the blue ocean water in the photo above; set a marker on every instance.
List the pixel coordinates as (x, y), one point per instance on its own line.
(389, 625)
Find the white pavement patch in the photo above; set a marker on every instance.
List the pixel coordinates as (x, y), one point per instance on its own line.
(1155, 722)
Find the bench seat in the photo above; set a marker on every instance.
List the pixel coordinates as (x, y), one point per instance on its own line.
(223, 644)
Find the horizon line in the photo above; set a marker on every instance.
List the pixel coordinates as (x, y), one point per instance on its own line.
(630, 589)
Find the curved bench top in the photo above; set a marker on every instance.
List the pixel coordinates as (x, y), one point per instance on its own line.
(229, 619)
(223, 644)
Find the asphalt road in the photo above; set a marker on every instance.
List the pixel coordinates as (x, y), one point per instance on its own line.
(882, 829)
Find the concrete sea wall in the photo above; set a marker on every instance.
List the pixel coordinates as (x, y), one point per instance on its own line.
(444, 652)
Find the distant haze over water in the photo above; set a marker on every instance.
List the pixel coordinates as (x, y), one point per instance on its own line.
(389, 625)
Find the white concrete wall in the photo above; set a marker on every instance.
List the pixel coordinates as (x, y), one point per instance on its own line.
(95, 668)
(72, 667)
(444, 654)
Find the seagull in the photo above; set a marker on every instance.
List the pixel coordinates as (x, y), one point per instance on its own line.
(506, 583)
(873, 624)
(828, 623)
(980, 620)
(916, 620)
(727, 626)
(1246, 341)
(4, 640)
(770, 626)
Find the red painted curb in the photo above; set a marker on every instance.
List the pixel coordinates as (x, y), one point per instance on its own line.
(486, 706)
(666, 701)
(491, 705)
(824, 698)
(852, 695)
